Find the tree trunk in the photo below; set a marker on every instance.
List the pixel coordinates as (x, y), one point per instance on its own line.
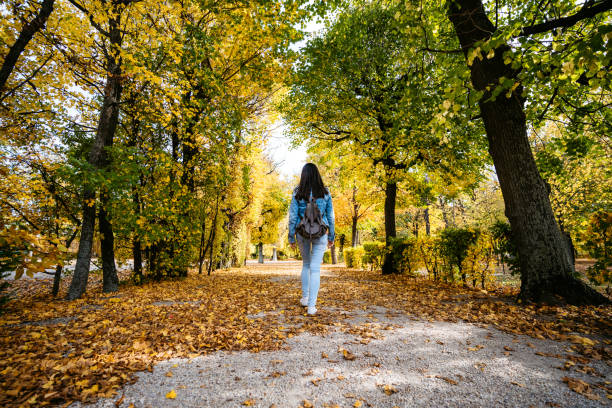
(334, 260)
(202, 251)
(107, 123)
(81, 269)
(136, 245)
(389, 266)
(56, 280)
(427, 223)
(260, 250)
(354, 230)
(110, 281)
(274, 258)
(546, 269)
(26, 34)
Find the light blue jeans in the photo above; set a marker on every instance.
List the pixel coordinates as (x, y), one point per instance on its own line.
(312, 256)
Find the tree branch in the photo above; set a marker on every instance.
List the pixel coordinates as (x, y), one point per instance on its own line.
(584, 13)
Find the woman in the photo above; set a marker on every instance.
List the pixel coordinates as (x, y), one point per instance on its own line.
(312, 251)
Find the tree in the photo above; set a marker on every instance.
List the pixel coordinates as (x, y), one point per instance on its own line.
(26, 33)
(273, 210)
(352, 87)
(546, 268)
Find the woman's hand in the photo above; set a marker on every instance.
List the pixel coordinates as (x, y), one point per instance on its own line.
(293, 245)
(330, 244)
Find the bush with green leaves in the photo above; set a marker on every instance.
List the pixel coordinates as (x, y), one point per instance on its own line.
(327, 257)
(455, 244)
(598, 243)
(503, 245)
(374, 254)
(405, 254)
(353, 257)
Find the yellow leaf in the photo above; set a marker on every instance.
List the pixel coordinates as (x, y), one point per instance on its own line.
(171, 394)
(249, 402)
(358, 404)
(581, 340)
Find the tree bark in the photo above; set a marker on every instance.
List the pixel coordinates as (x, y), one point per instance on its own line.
(334, 259)
(57, 277)
(110, 281)
(260, 250)
(545, 266)
(107, 124)
(354, 231)
(389, 266)
(274, 258)
(26, 34)
(427, 222)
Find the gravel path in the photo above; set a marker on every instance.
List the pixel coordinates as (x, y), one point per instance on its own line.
(411, 363)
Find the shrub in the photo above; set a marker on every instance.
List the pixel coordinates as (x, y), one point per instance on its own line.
(503, 245)
(477, 263)
(374, 253)
(281, 255)
(327, 257)
(454, 246)
(429, 249)
(597, 242)
(405, 254)
(354, 257)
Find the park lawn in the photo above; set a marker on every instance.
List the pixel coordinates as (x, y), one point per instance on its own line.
(55, 351)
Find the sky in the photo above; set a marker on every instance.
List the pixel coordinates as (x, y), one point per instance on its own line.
(289, 160)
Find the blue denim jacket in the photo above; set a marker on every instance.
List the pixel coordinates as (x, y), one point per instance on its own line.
(296, 212)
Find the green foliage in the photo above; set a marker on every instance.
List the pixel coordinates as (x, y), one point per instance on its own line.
(454, 246)
(353, 257)
(405, 254)
(327, 257)
(374, 253)
(598, 243)
(503, 245)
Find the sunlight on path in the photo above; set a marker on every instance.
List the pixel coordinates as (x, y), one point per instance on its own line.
(381, 358)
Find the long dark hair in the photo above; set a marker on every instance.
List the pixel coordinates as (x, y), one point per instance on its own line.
(310, 181)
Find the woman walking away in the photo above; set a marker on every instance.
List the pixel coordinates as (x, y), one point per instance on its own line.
(311, 218)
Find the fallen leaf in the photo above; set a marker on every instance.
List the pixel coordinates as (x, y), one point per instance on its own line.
(580, 387)
(171, 394)
(348, 355)
(249, 402)
(389, 389)
(448, 380)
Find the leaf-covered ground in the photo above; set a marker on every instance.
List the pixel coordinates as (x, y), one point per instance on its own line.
(56, 352)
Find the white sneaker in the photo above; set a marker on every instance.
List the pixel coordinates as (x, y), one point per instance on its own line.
(312, 310)
(304, 301)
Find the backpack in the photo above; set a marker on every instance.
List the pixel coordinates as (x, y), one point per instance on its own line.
(311, 225)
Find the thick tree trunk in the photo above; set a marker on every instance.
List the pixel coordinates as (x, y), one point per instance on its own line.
(334, 260)
(260, 251)
(81, 270)
(274, 258)
(107, 123)
(26, 34)
(546, 269)
(56, 280)
(110, 281)
(389, 266)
